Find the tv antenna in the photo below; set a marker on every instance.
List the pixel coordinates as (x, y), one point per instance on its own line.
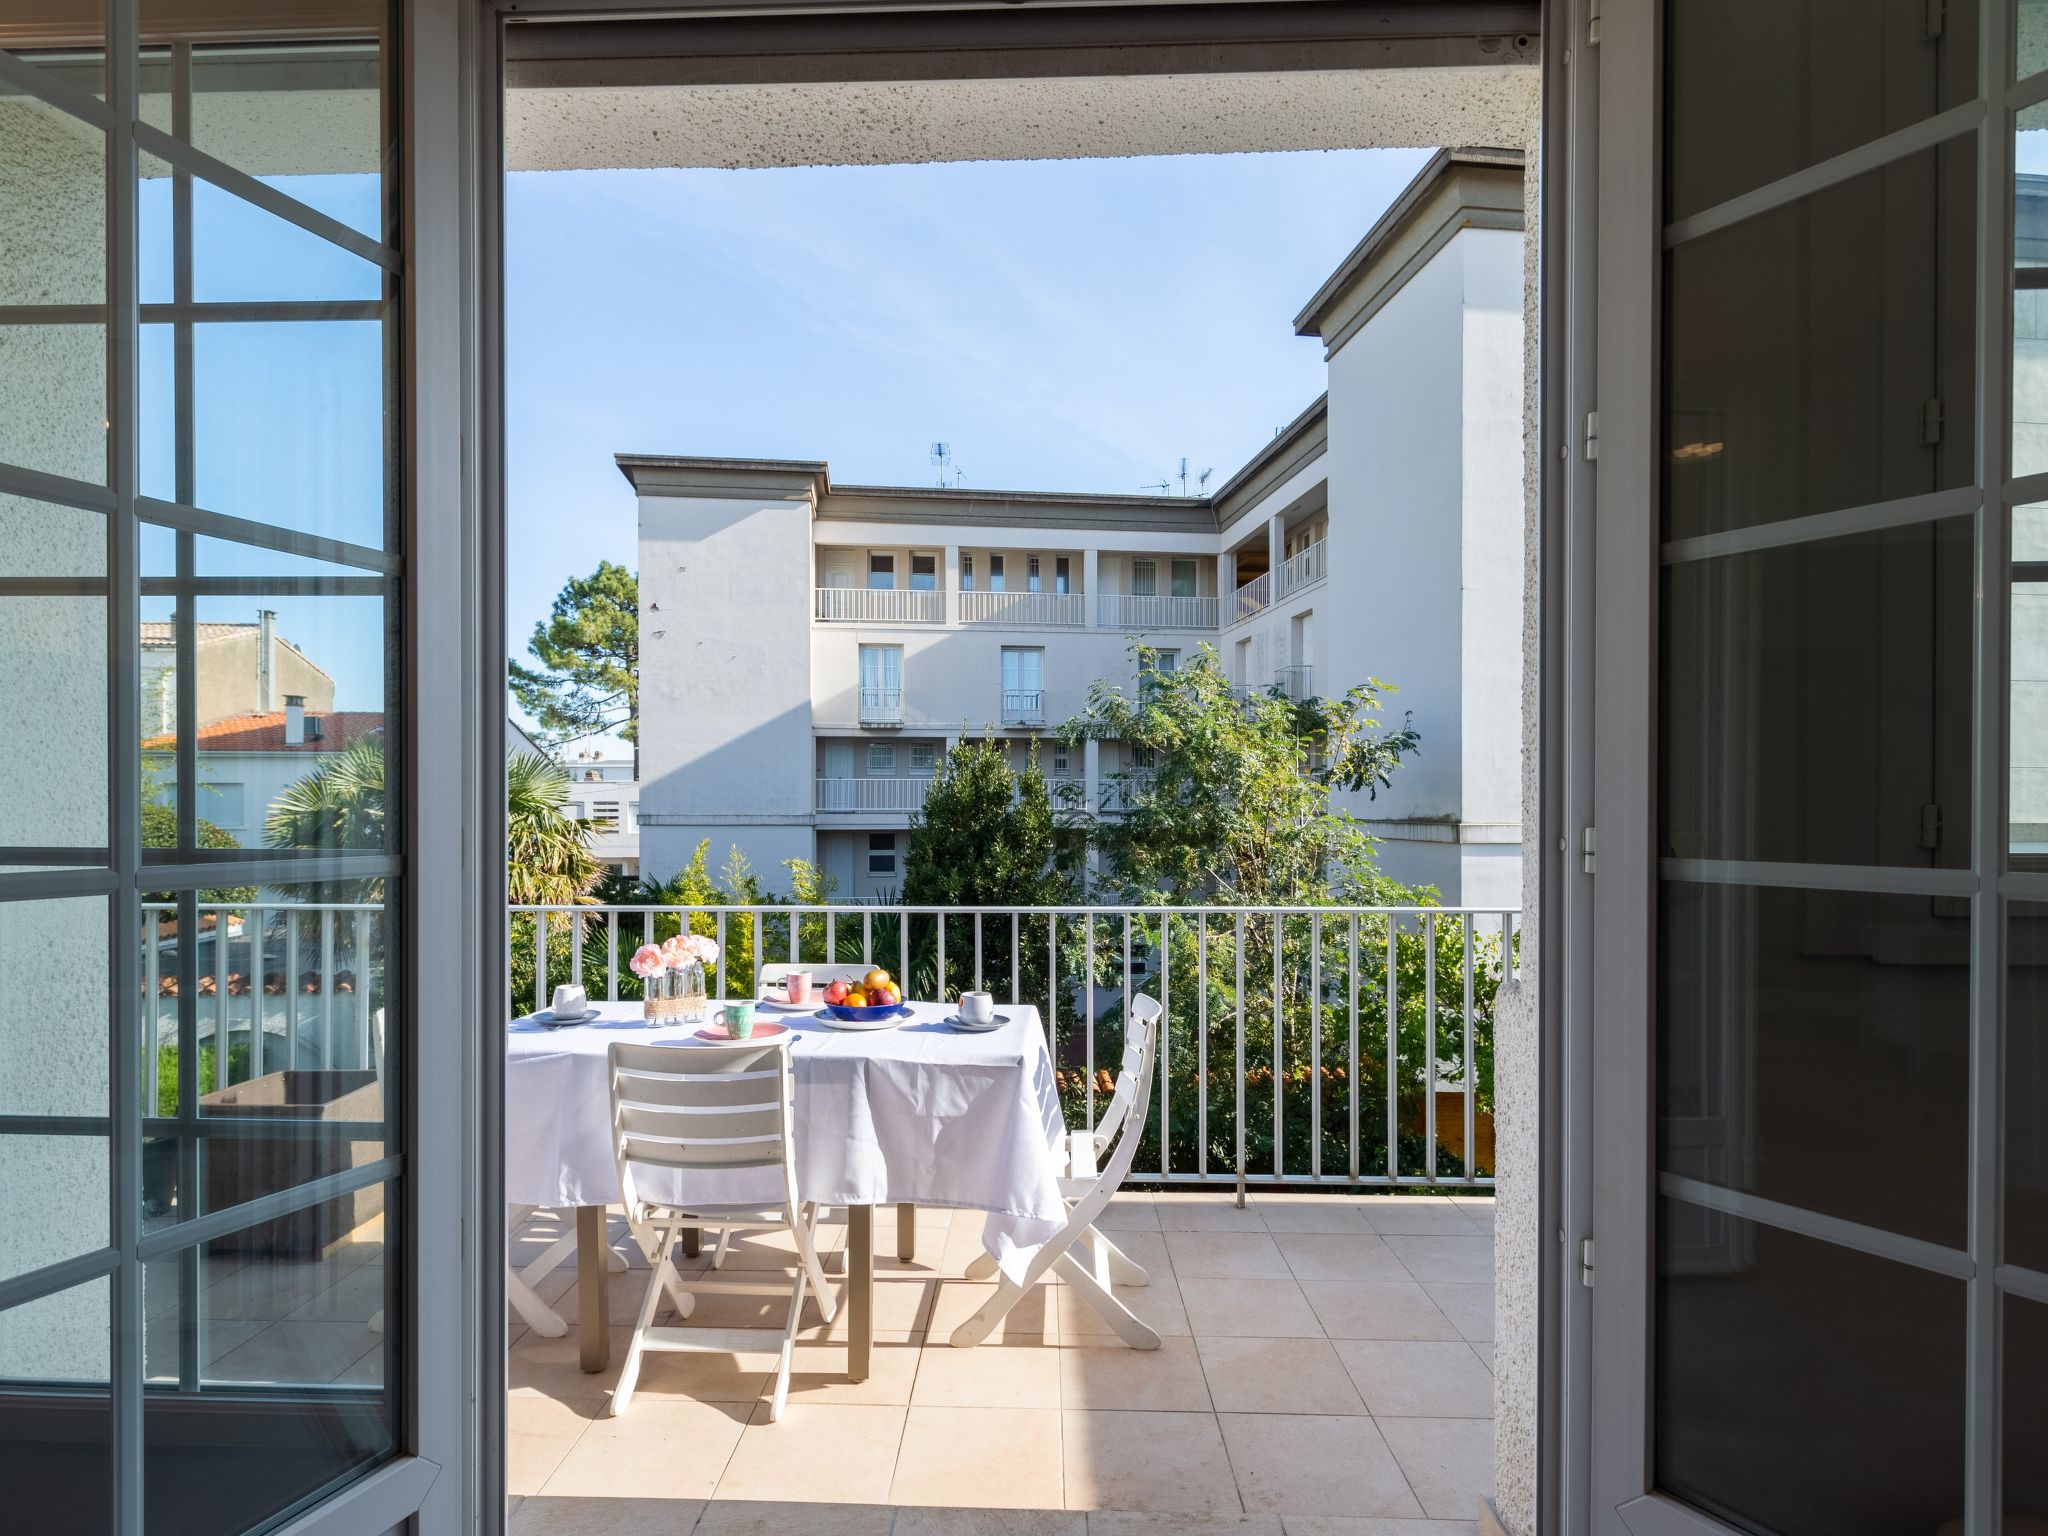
(942, 460)
(1200, 487)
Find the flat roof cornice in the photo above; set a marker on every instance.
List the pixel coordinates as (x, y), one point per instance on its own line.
(659, 474)
(1458, 189)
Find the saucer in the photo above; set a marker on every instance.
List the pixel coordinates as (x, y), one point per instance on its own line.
(954, 1021)
(764, 1029)
(780, 1006)
(547, 1020)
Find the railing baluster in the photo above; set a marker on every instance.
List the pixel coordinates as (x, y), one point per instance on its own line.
(867, 941)
(326, 988)
(611, 953)
(1279, 1056)
(1429, 1044)
(1315, 1064)
(363, 1057)
(1393, 1047)
(831, 936)
(576, 948)
(1240, 1170)
(795, 939)
(903, 947)
(940, 919)
(1052, 987)
(1088, 1007)
(977, 950)
(259, 953)
(223, 1067)
(725, 986)
(759, 952)
(1165, 1042)
(291, 988)
(1201, 1044)
(1016, 961)
(1351, 1054)
(540, 961)
(1471, 1087)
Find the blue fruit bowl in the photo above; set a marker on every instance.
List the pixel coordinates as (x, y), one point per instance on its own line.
(868, 1015)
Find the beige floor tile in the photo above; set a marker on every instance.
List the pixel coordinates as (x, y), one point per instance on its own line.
(1334, 1256)
(292, 1351)
(1035, 1318)
(705, 1377)
(356, 1297)
(1478, 1212)
(266, 1289)
(1004, 1376)
(1240, 1309)
(1449, 1462)
(828, 1453)
(1485, 1354)
(1147, 1461)
(1346, 1525)
(1468, 1306)
(661, 1448)
(1277, 1376)
(903, 1304)
(368, 1371)
(1415, 1215)
(1107, 1373)
(752, 1517)
(1205, 1213)
(1128, 1522)
(1315, 1464)
(548, 1417)
(990, 1522)
(817, 1373)
(1002, 1458)
(548, 1516)
(550, 1368)
(530, 1460)
(1467, 1259)
(1225, 1256)
(1158, 1305)
(1417, 1378)
(1375, 1310)
(962, 1247)
(1129, 1213)
(1322, 1213)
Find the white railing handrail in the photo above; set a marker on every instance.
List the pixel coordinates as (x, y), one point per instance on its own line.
(1304, 568)
(879, 605)
(843, 795)
(1252, 596)
(1152, 610)
(1305, 1074)
(1023, 703)
(877, 704)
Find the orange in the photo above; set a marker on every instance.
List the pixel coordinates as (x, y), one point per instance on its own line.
(856, 998)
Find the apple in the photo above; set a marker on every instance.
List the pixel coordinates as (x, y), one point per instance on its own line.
(836, 993)
(875, 980)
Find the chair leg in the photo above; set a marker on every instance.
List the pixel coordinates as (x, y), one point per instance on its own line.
(1123, 1269)
(540, 1317)
(718, 1253)
(629, 1374)
(796, 1312)
(1119, 1317)
(981, 1266)
(807, 1251)
(993, 1311)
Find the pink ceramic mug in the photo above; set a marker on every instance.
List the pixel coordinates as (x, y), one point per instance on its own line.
(796, 985)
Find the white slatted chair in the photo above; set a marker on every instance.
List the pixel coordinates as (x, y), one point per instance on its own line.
(1094, 1164)
(709, 1108)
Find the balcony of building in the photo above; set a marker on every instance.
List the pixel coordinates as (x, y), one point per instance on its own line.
(878, 586)
(1297, 682)
(880, 706)
(1023, 706)
(1143, 591)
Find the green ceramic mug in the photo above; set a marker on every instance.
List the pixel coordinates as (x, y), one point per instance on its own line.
(738, 1019)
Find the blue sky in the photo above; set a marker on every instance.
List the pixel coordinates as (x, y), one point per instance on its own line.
(1064, 325)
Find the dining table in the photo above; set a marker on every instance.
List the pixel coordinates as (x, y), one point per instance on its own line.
(918, 1113)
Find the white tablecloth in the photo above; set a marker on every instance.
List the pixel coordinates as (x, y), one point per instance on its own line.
(919, 1113)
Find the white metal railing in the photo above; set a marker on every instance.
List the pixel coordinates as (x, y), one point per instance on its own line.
(1250, 598)
(871, 605)
(1023, 706)
(1297, 682)
(881, 706)
(290, 982)
(1131, 611)
(849, 794)
(1119, 790)
(1286, 1024)
(1023, 608)
(1305, 568)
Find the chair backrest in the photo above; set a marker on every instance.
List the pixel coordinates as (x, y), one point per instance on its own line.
(1141, 1039)
(821, 975)
(708, 1106)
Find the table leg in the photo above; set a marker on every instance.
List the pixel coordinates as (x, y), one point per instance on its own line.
(906, 1232)
(593, 1299)
(693, 1242)
(860, 1290)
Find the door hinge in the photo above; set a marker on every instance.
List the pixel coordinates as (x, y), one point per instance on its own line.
(1936, 19)
(1586, 1263)
(1930, 423)
(1589, 844)
(1593, 24)
(1930, 826)
(1592, 435)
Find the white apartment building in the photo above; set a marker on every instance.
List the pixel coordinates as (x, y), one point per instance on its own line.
(602, 790)
(808, 649)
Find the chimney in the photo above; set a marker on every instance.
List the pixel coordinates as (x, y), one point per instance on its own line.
(266, 644)
(294, 720)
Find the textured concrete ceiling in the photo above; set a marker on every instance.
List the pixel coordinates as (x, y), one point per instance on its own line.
(751, 126)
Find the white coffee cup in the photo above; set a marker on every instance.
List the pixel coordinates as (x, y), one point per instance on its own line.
(978, 1007)
(571, 1002)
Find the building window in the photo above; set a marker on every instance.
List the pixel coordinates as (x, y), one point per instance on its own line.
(1184, 578)
(1031, 566)
(881, 760)
(881, 682)
(221, 804)
(1144, 759)
(881, 573)
(1060, 583)
(1059, 759)
(881, 853)
(924, 573)
(1144, 578)
(605, 813)
(1024, 671)
(967, 573)
(924, 760)
(995, 573)
(1165, 661)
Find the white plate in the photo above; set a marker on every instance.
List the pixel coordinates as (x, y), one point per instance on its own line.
(891, 1022)
(781, 1007)
(954, 1021)
(547, 1020)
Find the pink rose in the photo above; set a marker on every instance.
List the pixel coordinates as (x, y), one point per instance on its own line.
(648, 960)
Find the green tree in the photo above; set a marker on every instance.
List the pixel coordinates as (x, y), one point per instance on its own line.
(547, 851)
(587, 682)
(985, 836)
